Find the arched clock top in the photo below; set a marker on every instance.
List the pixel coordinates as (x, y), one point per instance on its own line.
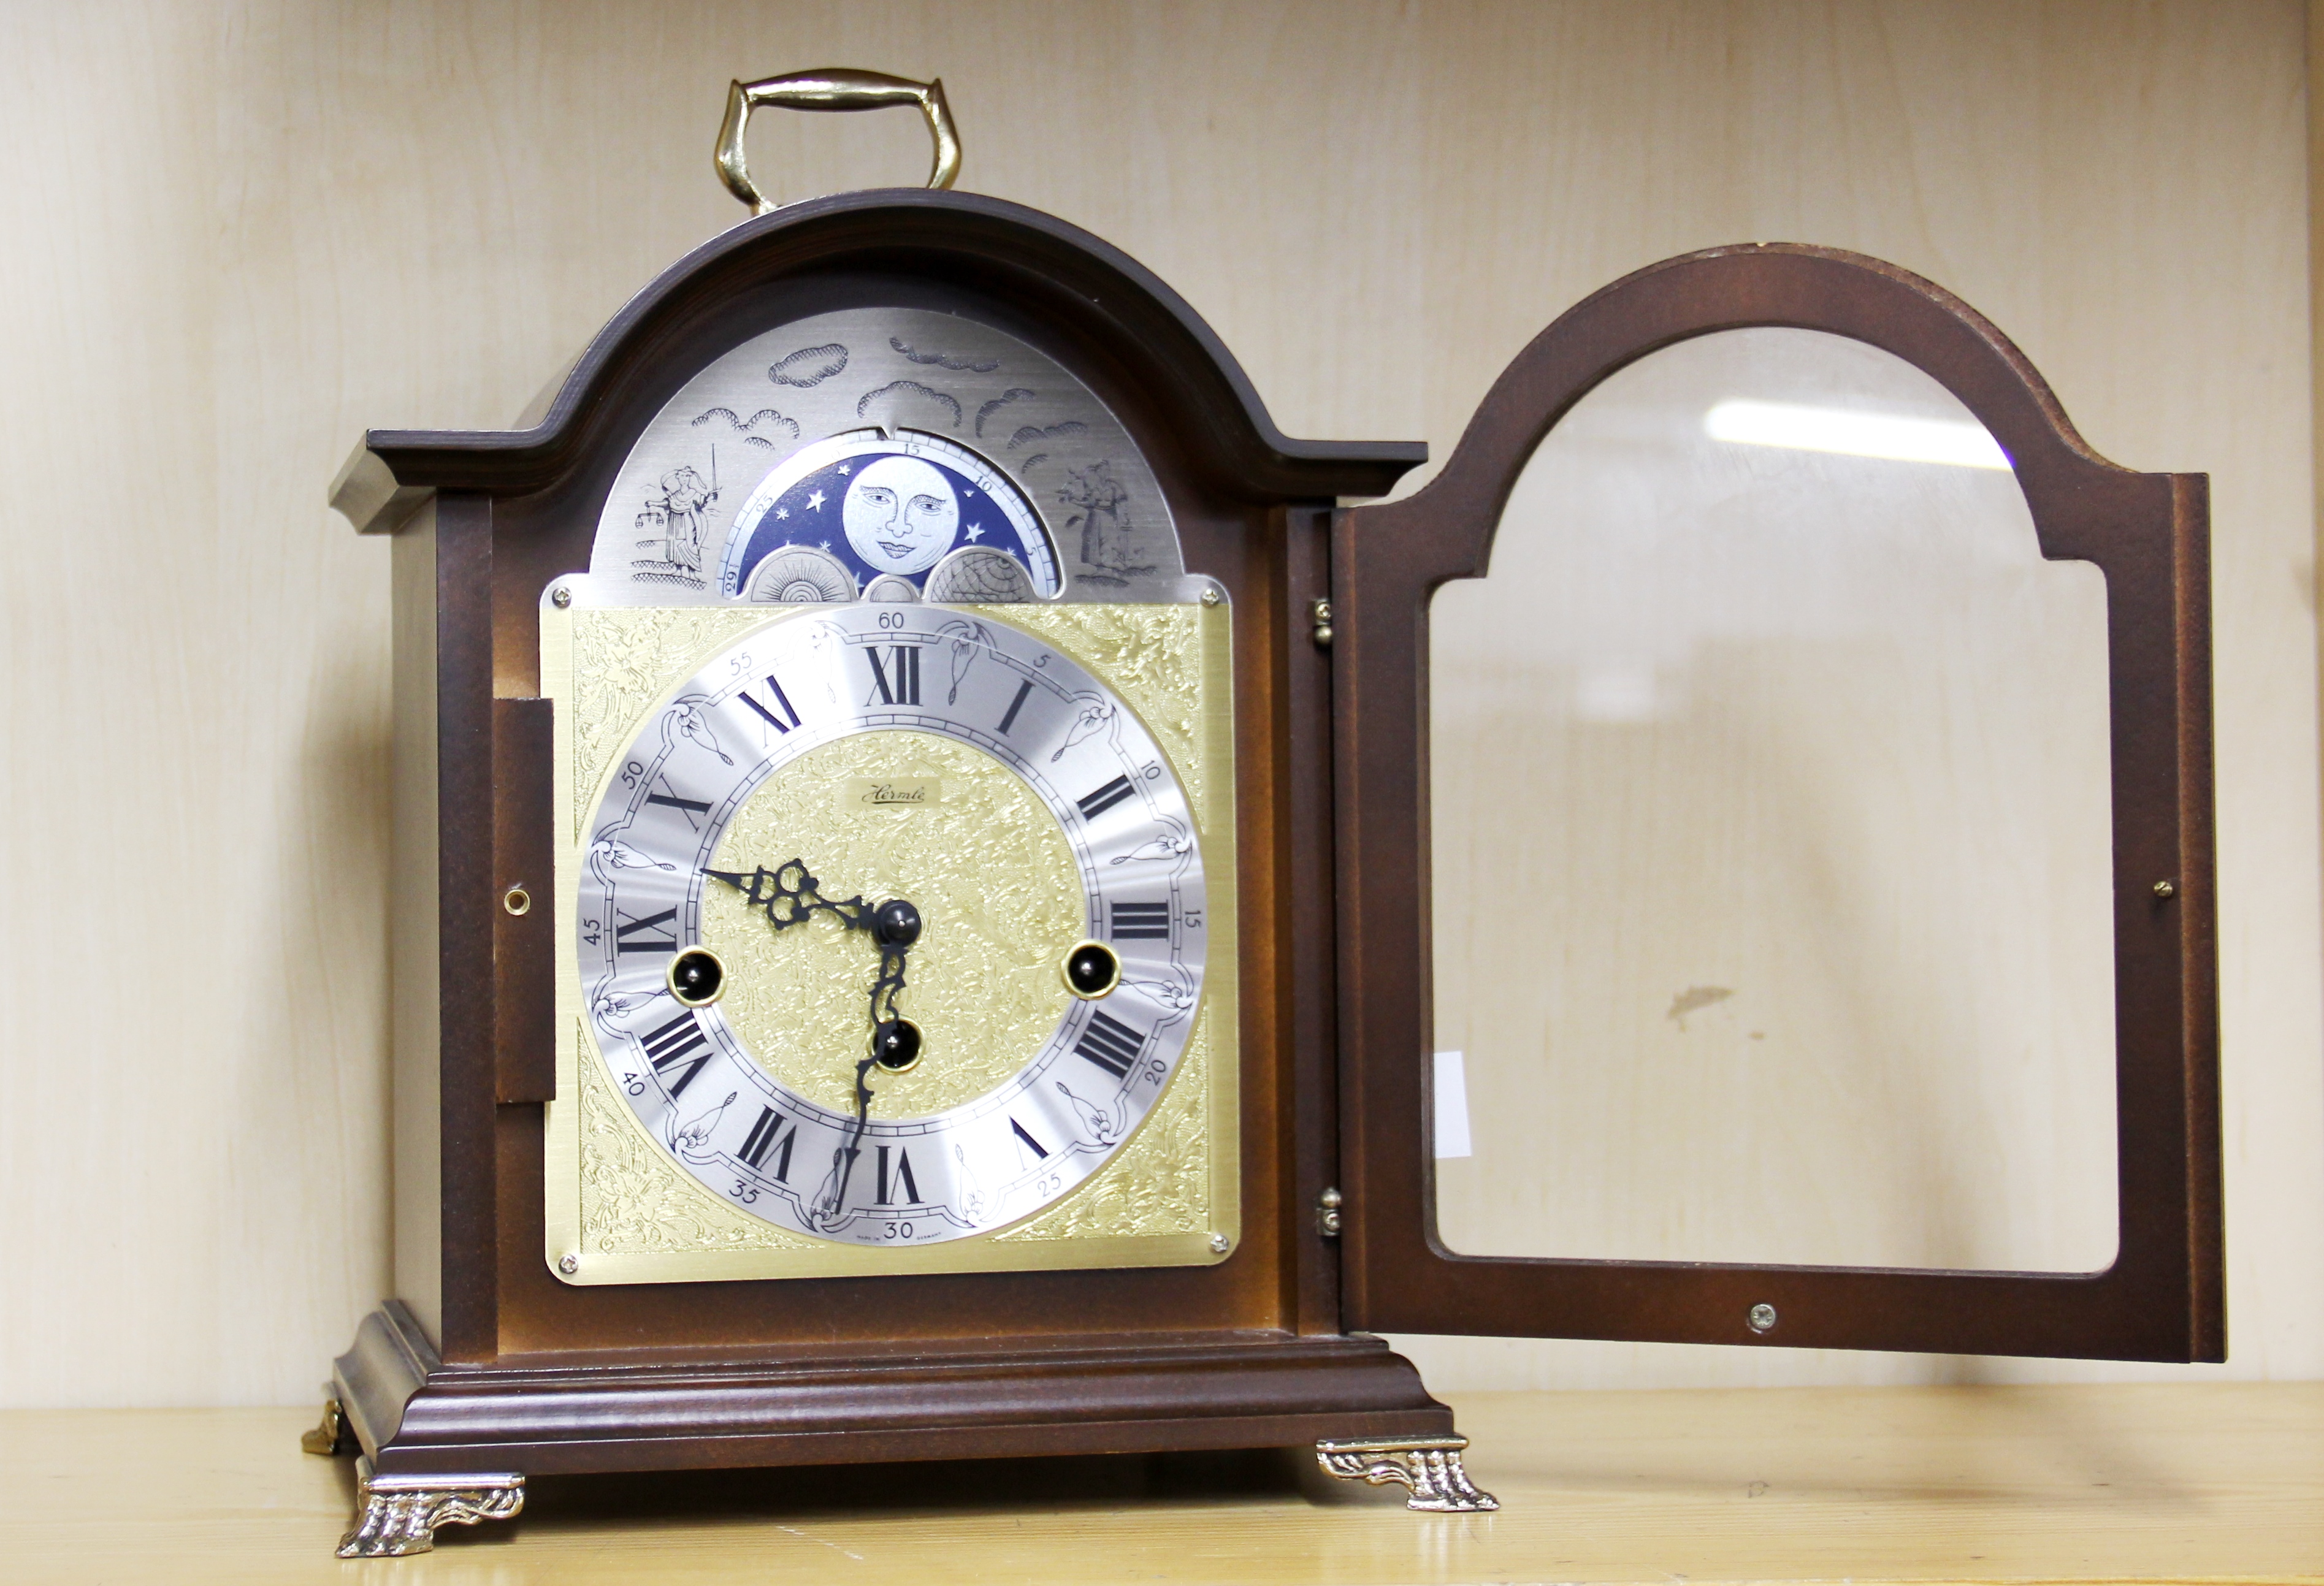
(1096, 309)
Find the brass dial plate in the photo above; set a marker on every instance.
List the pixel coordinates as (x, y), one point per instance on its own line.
(645, 1186)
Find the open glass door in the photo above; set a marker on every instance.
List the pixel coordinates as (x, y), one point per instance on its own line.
(1775, 845)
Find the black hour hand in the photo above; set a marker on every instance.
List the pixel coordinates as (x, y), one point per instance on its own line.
(788, 895)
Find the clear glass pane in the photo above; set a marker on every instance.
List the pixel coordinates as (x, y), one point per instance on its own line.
(1772, 837)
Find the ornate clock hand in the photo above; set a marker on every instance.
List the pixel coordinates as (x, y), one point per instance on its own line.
(895, 926)
(788, 894)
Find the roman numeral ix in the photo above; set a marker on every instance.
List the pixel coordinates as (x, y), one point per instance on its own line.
(630, 936)
(1110, 1044)
(677, 1042)
(1141, 922)
(898, 682)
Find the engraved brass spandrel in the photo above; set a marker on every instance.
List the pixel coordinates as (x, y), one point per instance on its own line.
(1151, 656)
(998, 894)
(633, 1202)
(623, 661)
(1158, 1183)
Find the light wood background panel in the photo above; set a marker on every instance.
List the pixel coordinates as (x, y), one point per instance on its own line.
(233, 235)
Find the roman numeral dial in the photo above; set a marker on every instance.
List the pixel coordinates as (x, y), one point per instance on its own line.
(770, 803)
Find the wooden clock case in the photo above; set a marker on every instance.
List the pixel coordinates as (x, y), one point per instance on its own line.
(488, 1368)
(491, 1364)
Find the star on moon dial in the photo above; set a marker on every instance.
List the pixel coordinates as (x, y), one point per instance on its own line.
(842, 1082)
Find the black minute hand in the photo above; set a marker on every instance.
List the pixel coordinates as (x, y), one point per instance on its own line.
(788, 894)
(895, 1039)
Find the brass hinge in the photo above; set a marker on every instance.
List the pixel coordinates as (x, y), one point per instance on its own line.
(1327, 1213)
(1319, 611)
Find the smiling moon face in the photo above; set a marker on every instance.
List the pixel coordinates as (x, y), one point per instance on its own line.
(901, 514)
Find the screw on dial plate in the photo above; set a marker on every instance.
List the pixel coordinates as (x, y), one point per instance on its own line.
(568, 1265)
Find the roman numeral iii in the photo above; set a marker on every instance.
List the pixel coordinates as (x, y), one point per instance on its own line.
(1140, 922)
(1110, 1044)
(898, 681)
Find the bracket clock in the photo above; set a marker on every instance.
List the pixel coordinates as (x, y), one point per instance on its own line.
(912, 917)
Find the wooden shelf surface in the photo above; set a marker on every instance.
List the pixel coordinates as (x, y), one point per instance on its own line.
(2063, 1483)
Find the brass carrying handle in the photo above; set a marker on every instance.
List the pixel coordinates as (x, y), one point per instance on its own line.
(832, 87)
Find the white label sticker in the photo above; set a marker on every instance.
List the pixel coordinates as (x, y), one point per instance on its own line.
(1451, 1106)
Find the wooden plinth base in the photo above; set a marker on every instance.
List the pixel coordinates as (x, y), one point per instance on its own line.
(415, 1416)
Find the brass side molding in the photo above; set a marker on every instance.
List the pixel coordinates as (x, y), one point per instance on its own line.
(1429, 1466)
(832, 87)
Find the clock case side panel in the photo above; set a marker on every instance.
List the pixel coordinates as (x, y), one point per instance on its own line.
(2163, 1298)
(1220, 1349)
(441, 927)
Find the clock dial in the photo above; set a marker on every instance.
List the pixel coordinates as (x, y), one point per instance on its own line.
(953, 896)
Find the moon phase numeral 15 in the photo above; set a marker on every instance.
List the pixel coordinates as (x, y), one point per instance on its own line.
(1141, 922)
(898, 682)
(631, 935)
(784, 717)
(763, 1142)
(1096, 803)
(1110, 1044)
(678, 1042)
